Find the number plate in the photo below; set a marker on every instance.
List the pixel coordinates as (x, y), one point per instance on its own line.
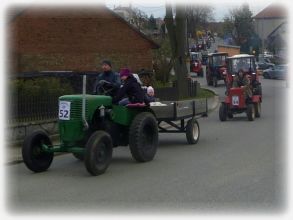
(235, 100)
(64, 110)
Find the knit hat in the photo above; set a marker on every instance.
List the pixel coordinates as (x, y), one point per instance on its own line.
(108, 62)
(124, 72)
(150, 89)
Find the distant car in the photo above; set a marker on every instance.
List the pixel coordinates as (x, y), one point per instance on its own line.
(277, 72)
(264, 63)
(268, 54)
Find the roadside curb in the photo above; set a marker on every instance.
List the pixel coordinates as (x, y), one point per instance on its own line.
(214, 101)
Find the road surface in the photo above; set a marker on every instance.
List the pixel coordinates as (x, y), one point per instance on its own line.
(237, 166)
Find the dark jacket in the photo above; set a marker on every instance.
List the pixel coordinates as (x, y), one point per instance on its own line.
(109, 76)
(132, 90)
(150, 98)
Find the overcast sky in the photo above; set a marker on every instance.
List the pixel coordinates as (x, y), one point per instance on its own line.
(221, 8)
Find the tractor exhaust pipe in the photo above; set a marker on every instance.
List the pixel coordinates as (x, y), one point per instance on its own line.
(85, 124)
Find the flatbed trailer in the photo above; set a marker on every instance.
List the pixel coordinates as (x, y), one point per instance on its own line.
(181, 116)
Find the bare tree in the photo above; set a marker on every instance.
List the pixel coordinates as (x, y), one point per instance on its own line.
(139, 19)
(239, 24)
(198, 17)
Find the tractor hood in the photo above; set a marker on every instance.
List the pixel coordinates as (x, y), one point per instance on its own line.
(98, 100)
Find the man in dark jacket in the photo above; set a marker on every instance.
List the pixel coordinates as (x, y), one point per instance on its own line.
(131, 91)
(108, 81)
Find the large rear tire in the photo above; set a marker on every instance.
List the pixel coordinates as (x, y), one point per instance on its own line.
(143, 137)
(223, 112)
(33, 156)
(192, 131)
(250, 112)
(98, 153)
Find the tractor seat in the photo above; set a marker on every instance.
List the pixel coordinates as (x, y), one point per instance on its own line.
(136, 105)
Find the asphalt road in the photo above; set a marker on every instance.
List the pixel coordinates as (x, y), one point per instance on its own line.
(237, 166)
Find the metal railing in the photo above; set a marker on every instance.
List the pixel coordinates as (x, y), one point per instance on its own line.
(28, 107)
(39, 106)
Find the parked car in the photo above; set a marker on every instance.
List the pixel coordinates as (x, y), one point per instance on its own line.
(264, 63)
(276, 72)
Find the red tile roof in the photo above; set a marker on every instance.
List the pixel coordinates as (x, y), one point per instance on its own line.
(272, 11)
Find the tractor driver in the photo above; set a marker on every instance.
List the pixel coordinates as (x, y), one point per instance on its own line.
(243, 81)
(109, 80)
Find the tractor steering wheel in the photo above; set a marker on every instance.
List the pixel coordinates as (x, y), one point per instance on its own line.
(104, 88)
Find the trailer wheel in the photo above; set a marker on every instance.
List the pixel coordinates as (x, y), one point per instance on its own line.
(143, 137)
(223, 112)
(250, 112)
(257, 108)
(98, 153)
(192, 131)
(33, 156)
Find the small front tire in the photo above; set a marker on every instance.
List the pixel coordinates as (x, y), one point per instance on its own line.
(98, 153)
(250, 112)
(32, 153)
(257, 108)
(223, 112)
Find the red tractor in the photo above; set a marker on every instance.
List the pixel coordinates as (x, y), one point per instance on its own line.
(216, 68)
(195, 63)
(236, 101)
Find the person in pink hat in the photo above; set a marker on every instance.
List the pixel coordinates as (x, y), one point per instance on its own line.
(131, 91)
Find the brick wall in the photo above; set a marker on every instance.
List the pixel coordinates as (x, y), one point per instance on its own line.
(231, 50)
(75, 39)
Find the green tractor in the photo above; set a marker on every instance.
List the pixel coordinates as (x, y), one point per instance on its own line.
(90, 126)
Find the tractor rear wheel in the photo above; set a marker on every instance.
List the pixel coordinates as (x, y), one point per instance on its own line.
(192, 131)
(223, 112)
(257, 108)
(33, 156)
(250, 112)
(143, 137)
(98, 153)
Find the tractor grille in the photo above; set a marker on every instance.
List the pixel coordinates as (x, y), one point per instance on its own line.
(76, 110)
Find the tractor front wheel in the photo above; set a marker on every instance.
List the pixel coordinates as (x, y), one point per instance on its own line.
(143, 137)
(32, 153)
(257, 108)
(223, 112)
(98, 153)
(250, 112)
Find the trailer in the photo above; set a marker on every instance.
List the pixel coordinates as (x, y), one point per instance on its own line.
(181, 117)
